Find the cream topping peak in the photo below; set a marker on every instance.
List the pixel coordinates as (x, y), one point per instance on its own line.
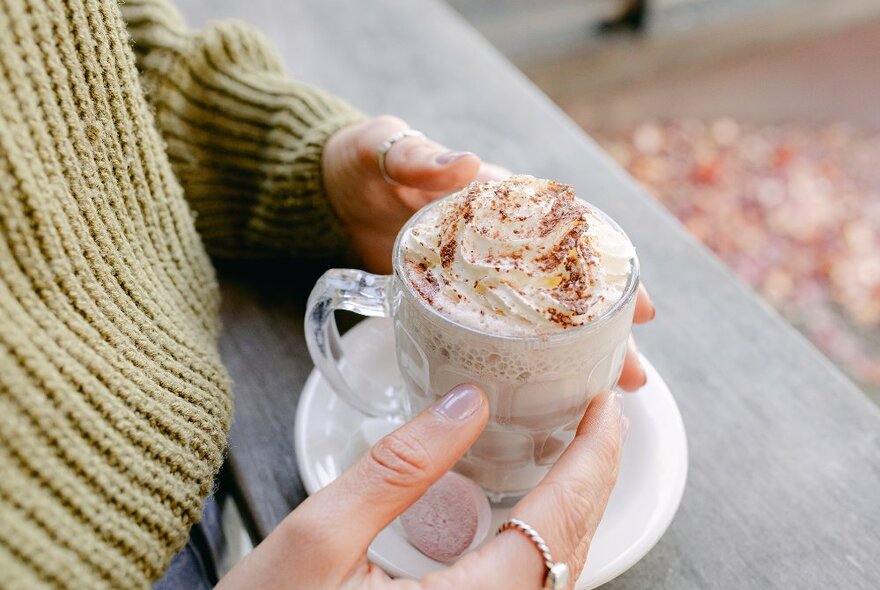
(521, 256)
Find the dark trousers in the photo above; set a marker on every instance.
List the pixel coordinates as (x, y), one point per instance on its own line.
(195, 567)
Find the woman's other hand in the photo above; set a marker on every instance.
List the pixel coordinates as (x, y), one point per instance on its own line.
(323, 543)
(372, 209)
(633, 376)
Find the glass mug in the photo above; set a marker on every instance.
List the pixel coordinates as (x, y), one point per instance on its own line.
(538, 386)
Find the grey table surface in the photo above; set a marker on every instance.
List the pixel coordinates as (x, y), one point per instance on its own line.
(784, 482)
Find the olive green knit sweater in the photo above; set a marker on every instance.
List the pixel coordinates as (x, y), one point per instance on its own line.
(114, 406)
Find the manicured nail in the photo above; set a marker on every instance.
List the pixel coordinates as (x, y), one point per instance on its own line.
(624, 429)
(460, 403)
(447, 157)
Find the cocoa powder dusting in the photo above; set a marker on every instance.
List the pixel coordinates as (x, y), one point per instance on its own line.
(447, 252)
(424, 282)
(495, 234)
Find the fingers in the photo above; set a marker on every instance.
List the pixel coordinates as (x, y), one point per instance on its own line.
(423, 164)
(488, 172)
(394, 473)
(633, 375)
(568, 504)
(492, 172)
(416, 162)
(645, 310)
(565, 508)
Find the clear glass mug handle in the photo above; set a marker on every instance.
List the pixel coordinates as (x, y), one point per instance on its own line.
(362, 293)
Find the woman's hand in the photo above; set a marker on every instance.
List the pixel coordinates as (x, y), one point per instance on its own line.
(373, 210)
(633, 375)
(323, 543)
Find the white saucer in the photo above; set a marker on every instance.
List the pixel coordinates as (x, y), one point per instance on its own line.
(649, 487)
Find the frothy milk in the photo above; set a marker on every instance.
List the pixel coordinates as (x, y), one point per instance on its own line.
(539, 288)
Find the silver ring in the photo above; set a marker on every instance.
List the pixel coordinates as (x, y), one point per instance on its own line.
(557, 572)
(386, 145)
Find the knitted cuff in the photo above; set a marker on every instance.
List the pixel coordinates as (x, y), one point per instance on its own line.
(244, 139)
(293, 214)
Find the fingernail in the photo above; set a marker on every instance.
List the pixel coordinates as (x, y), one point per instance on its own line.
(624, 429)
(447, 157)
(618, 398)
(460, 403)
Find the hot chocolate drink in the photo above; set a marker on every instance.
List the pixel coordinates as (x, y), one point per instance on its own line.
(520, 257)
(524, 290)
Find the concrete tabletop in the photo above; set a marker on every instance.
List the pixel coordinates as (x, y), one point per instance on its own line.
(784, 481)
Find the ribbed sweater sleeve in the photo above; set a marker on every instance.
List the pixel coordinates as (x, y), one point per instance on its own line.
(244, 139)
(114, 406)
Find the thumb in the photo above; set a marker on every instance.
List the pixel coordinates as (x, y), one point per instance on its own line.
(397, 471)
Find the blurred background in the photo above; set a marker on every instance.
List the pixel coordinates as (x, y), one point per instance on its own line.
(756, 122)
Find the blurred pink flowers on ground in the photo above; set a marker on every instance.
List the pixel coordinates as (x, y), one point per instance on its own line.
(794, 210)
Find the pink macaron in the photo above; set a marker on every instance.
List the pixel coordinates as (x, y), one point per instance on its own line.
(452, 517)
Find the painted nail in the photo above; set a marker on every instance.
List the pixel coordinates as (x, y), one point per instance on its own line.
(624, 429)
(447, 157)
(460, 403)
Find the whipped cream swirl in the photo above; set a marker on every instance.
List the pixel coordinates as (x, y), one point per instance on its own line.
(517, 257)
